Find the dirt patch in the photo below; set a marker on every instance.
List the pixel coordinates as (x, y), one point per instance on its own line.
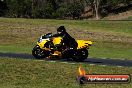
(99, 36)
(120, 16)
(26, 33)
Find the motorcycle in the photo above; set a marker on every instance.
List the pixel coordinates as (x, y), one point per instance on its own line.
(47, 47)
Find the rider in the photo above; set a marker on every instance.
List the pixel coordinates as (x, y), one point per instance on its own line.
(67, 41)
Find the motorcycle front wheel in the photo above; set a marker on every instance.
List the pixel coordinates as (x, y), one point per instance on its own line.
(38, 53)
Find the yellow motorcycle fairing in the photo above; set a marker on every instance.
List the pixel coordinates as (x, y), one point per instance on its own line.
(56, 40)
(83, 44)
(41, 44)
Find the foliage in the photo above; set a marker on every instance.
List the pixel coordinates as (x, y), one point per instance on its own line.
(51, 8)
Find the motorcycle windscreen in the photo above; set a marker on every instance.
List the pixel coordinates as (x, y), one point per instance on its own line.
(57, 40)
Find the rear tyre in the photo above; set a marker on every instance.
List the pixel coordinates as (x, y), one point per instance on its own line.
(80, 55)
(38, 53)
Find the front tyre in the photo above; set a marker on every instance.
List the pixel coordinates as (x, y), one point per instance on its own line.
(80, 55)
(38, 53)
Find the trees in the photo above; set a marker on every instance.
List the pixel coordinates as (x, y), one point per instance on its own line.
(75, 9)
(58, 8)
(3, 7)
(18, 8)
(96, 7)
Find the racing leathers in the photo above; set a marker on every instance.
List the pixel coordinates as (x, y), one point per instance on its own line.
(68, 43)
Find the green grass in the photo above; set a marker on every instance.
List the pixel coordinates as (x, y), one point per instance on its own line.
(21, 73)
(113, 26)
(129, 18)
(15, 49)
(111, 50)
(112, 39)
(106, 52)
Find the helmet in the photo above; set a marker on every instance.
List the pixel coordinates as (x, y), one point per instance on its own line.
(61, 30)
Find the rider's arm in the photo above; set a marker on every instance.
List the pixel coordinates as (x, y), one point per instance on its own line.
(56, 35)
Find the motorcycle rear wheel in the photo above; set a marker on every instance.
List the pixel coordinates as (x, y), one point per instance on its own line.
(80, 55)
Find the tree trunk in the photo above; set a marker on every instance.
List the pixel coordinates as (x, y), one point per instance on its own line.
(96, 6)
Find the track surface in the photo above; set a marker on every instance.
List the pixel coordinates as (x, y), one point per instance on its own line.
(99, 61)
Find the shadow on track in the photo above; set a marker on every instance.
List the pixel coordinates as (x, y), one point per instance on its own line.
(108, 61)
(17, 55)
(99, 61)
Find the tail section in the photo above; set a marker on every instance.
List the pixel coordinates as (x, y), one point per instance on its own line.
(83, 44)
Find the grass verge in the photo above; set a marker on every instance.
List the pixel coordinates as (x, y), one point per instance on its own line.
(20, 73)
(112, 39)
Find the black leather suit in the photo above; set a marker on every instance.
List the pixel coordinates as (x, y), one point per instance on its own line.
(69, 42)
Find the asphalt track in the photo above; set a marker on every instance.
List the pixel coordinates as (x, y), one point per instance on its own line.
(99, 61)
